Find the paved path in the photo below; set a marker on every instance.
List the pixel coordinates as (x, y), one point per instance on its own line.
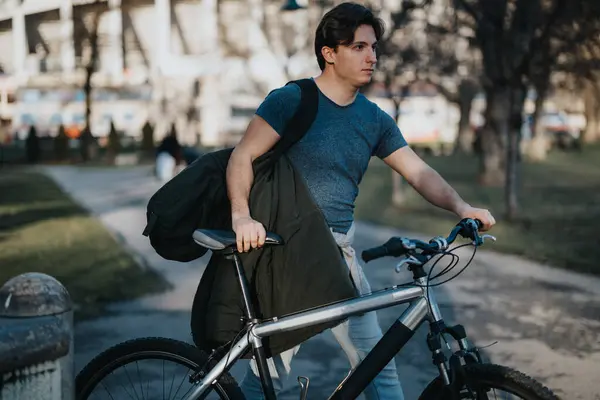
(546, 321)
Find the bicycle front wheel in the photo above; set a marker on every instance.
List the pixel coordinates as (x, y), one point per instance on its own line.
(489, 381)
(149, 368)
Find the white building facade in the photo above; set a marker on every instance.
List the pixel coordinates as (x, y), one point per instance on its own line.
(158, 60)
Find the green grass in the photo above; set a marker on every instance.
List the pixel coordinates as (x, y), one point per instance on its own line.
(559, 215)
(43, 230)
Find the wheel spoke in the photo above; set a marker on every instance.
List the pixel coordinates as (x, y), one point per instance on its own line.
(140, 379)
(130, 381)
(148, 388)
(171, 388)
(181, 383)
(107, 391)
(123, 386)
(161, 357)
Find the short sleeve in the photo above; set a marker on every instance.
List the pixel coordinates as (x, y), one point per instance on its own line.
(390, 139)
(279, 106)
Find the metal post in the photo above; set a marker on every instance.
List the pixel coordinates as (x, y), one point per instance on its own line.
(36, 339)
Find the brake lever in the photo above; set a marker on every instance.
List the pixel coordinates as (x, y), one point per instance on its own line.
(486, 236)
(408, 260)
(483, 237)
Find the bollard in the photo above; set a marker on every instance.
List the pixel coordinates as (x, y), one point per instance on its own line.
(36, 339)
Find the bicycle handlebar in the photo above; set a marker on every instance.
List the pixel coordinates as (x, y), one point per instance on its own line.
(399, 246)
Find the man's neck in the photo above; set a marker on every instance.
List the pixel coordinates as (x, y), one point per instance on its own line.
(337, 90)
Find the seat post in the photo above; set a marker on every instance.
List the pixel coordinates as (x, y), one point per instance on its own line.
(239, 269)
(257, 346)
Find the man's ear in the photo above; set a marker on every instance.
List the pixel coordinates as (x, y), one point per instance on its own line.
(328, 54)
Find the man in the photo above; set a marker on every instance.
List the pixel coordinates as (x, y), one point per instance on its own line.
(332, 157)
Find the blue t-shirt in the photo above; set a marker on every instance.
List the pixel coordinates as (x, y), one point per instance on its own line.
(334, 154)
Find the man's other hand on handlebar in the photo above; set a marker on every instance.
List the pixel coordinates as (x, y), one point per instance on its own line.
(481, 214)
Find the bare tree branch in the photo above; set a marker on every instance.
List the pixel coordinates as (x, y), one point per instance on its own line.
(470, 9)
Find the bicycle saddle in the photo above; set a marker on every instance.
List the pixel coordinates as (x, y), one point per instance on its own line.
(221, 239)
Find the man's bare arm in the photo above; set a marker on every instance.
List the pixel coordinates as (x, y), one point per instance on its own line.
(257, 140)
(429, 184)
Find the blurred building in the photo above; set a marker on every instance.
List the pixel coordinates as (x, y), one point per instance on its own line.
(157, 59)
(204, 65)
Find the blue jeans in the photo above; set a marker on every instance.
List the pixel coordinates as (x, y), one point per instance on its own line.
(357, 336)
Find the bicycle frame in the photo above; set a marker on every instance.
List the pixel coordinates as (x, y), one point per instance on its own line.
(422, 306)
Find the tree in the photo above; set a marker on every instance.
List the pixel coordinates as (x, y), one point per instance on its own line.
(428, 42)
(579, 59)
(455, 67)
(591, 93)
(91, 35)
(424, 45)
(397, 62)
(467, 90)
(507, 33)
(515, 38)
(570, 59)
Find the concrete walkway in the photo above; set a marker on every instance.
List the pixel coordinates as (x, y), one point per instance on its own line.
(546, 321)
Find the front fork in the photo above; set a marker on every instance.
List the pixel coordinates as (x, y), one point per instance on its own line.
(453, 375)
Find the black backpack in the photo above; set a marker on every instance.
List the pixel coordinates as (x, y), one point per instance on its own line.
(197, 196)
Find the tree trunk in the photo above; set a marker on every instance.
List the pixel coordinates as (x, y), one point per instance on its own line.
(591, 133)
(84, 142)
(398, 183)
(87, 89)
(465, 137)
(493, 137)
(86, 137)
(517, 98)
(537, 148)
(398, 189)
(466, 134)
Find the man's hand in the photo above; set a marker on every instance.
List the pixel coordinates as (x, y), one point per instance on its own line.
(481, 214)
(249, 233)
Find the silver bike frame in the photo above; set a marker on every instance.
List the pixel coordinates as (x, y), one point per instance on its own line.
(423, 306)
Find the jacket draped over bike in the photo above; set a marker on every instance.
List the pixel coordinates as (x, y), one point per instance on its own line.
(307, 271)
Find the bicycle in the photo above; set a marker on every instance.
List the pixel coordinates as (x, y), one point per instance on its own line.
(461, 375)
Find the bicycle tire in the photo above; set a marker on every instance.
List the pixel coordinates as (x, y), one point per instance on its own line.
(150, 348)
(494, 377)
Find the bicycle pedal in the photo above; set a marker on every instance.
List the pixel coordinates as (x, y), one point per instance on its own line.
(303, 386)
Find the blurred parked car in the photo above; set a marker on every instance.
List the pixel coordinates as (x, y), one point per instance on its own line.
(557, 127)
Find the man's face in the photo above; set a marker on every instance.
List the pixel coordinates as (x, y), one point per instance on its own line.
(356, 61)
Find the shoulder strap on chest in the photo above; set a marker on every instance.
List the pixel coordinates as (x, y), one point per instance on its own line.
(303, 118)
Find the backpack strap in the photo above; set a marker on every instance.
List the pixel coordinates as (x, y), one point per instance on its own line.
(302, 119)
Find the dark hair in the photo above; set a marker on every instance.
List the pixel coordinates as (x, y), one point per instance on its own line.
(338, 25)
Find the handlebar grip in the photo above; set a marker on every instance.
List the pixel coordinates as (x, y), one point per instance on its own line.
(374, 253)
(479, 224)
